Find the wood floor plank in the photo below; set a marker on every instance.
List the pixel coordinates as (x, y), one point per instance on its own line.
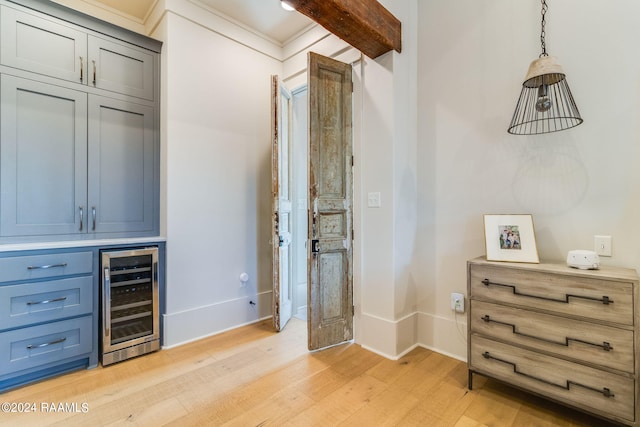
(253, 376)
(339, 405)
(385, 409)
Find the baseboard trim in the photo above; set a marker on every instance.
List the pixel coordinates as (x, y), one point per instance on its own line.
(201, 322)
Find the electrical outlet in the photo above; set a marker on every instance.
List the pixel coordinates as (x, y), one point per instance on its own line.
(457, 302)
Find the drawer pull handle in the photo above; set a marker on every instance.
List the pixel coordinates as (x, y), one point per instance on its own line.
(605, 345)
(45, 267)
(48, 301)
(605, 391)
(58, 341)
(604, 300)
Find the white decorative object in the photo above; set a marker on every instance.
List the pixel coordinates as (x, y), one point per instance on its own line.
(583, 259)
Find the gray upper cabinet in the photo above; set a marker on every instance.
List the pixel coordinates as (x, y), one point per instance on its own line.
(59, 176)
(79, 126)
(121, 165)
(47, 47)
(61, 50)
(119, 68)
(43, 152)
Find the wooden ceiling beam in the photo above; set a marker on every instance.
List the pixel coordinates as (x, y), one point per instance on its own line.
(364, 24)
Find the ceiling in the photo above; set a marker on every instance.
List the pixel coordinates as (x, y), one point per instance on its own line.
(263, 16)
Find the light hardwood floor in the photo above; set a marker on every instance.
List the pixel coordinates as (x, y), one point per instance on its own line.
(252, 376)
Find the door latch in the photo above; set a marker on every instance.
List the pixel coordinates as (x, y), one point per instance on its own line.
(315, 246)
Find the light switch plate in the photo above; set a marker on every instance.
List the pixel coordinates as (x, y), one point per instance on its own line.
(373, 200)
(602, 245)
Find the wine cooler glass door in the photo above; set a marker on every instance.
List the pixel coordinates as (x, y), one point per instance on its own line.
(130, 298)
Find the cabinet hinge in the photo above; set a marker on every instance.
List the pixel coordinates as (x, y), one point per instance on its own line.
(353, 234)
(353, 310)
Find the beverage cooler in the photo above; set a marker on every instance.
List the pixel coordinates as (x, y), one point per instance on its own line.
(130, 321)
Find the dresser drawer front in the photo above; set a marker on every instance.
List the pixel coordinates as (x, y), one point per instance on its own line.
(43, 266)
(592, 298)
(39, 345)
(583, 341)
(572, 383)
(29, 303)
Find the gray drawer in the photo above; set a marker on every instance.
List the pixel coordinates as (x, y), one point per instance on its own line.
(39, 345)
(29, 303)
(43, 266)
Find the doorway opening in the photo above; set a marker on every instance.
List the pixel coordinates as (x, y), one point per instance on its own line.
(312, 185)
(299, 184)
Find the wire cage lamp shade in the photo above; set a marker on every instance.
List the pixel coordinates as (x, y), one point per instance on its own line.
(545, 104)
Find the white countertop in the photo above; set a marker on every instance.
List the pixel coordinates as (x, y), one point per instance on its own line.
(78, 243)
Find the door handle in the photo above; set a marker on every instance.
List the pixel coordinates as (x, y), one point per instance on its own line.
(81, 217)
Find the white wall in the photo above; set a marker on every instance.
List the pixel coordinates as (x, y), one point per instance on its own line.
(576, 183)
(430, 135)
(216, 135)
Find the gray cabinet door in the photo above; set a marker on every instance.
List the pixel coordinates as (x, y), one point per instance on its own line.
(121, 164)
(43, 159)
(43, 46)
(121, 68)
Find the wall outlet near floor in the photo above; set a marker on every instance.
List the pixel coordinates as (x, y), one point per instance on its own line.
(457, 302)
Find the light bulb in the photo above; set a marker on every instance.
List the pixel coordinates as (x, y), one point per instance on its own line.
(543, 103)
(286, 6)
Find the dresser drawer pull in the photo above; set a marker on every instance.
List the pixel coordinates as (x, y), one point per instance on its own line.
(604, 391)
(58, 341)
(605, 345)
(604, 300)
(45, 267)
(47, 301)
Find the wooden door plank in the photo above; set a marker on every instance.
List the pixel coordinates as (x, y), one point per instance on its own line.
(275, 199)
(330, 283)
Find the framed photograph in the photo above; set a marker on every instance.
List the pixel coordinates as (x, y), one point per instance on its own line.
(510, 238)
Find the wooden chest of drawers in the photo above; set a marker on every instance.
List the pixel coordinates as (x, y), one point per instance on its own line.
(565, 334)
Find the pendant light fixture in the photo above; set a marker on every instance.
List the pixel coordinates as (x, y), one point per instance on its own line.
(545, 104)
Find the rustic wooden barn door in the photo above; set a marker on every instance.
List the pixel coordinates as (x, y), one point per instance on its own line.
(281, 203)
(330, 293)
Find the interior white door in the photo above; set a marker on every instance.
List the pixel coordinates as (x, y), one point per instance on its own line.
(281, 204)
(330, 292)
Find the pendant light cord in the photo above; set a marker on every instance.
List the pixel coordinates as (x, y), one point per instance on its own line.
(542, 31)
